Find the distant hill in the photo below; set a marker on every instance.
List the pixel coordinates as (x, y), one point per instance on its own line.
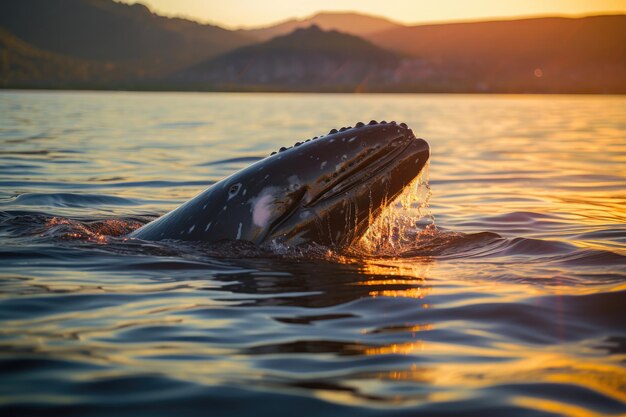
(535, 55)
(347, 22)
(109, 45)
(304, 60)
(23, 65)
(106, 31)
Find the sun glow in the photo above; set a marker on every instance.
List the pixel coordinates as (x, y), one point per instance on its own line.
(248, 13)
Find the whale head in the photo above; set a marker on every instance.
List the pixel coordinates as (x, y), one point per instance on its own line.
(326, 190)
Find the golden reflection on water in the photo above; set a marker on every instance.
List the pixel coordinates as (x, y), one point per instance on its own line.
(448, 380)
(397, 348)
(522, 167)
(411, 270)
(449, 369)
(460, 366)
(396, 273)
(410, 293)
(520, 363)
(554, 407)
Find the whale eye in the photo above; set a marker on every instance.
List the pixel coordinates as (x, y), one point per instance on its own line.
(233, 190)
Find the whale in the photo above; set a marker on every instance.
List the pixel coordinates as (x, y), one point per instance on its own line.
(326, 190)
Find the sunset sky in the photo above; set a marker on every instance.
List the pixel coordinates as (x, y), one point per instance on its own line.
(251, 13)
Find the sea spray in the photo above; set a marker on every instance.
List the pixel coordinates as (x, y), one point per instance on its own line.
(402, 222)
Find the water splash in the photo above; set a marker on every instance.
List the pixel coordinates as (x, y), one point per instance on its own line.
(403, 222)
(92, 231)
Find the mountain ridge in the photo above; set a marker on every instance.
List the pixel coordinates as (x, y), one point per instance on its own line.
(105, 44)
(304, 57)
(553, 54)
(359, 24)
(108, 31)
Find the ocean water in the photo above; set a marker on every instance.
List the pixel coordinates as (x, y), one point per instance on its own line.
(507, 298)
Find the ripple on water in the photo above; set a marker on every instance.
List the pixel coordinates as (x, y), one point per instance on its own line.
(240, 160)
(505, 297)
(67, 200)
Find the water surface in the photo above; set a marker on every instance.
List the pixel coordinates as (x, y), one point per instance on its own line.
(509, 299)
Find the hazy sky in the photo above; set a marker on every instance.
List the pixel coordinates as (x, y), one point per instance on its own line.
(246, 13)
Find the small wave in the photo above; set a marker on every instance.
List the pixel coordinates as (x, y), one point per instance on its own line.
(181, 125)
(91, 231)
(245, 159)
(526, 246)
(27, 152)
(102, 184)
(615, 234)
(67, 200)
(37, 225)
(592, 257)
(454, 245)
(29, 138)
(520, 217)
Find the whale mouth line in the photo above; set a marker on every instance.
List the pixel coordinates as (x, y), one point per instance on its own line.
(370, 167)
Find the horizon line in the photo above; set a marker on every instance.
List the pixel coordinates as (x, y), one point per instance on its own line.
(430, 22)
(392, 20)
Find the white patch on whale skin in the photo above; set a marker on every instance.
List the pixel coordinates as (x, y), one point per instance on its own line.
(261, 211)
(239, 231)
(352, 139)
(323, 164)
(207, 226)
(191, 229)
(262, 206)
